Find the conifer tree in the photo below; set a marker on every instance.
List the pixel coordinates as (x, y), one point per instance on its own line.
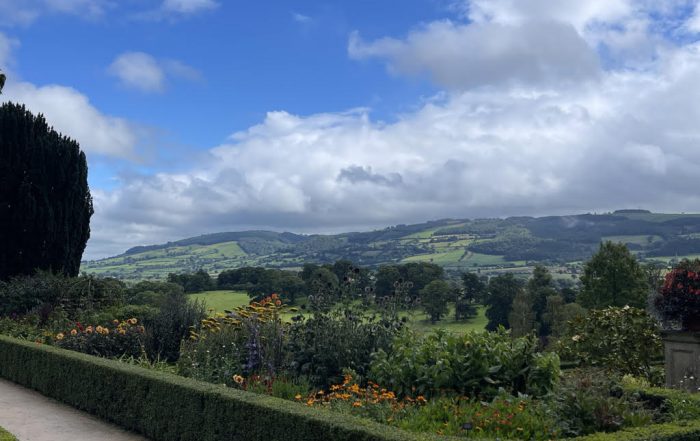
(45, 202)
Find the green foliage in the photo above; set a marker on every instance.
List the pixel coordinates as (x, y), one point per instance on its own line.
(194, 282)
(505, 417)
(260, 282)
(417, 274)
(165, 331)
(325, 344)
(473, 364)
(499, 300)
(45, 291)
(45, 202)
(522, 314)
(623, 340)
(590, 401)
(558, 314)
(120, 338)
(434, 298)
(165, 407)
(246, 342)
(151, 293)
(4, 434)
(613, 277)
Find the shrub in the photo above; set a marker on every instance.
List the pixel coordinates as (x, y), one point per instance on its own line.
(473, 364)
(165, 331)
(124, 338)
(624, 340)
(678, 300)
(247, 342)
(325, 344)
(590, 401)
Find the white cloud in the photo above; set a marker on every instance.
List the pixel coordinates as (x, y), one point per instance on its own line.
(459, 56)
(144, 72)
(301, 18)
(630, 139)
(70, 112)
(189, 6)
(25, 12)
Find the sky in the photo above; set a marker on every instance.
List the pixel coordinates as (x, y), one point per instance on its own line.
(202, 116)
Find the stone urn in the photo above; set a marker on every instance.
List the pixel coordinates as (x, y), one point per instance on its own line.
(682, 354)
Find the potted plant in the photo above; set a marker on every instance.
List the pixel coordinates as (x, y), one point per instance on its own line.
(678, 299)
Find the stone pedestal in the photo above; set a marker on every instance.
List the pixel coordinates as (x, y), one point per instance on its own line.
(682, 354)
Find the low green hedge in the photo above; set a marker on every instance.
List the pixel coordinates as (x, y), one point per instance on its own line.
(677, 431)
(6, 436)
(680, 431)
(168, 407)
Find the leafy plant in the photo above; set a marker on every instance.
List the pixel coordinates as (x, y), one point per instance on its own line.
(624, 340)
(473, 364)
(167, 329)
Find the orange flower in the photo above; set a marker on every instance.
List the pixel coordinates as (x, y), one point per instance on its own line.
(238, 379)
(73, 332)
(357, 404)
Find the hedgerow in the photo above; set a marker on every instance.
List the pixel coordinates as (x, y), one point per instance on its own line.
(166, 407)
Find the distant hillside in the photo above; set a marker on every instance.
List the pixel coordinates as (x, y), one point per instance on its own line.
(454, 243)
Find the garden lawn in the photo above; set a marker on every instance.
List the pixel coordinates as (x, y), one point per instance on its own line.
(420, 322)
(6, 436)
(218, 301)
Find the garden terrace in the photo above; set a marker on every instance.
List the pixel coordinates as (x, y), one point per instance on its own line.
(167, 407)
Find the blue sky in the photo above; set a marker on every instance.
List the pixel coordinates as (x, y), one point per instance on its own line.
(204, 115)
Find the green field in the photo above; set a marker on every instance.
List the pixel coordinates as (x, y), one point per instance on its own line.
(218, 301)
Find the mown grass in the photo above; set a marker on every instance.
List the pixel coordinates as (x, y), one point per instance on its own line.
(218, 301)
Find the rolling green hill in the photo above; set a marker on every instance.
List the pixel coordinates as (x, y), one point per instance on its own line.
(456, 244)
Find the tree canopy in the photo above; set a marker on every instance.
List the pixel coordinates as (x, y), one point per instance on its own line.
(613, 277)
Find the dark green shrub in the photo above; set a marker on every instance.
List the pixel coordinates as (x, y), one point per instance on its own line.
(165, 407)
(165, 331)
(473, 364)
(151, 293)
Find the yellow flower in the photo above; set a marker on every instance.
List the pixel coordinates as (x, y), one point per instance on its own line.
(115, 321)
(89, 329)
(297, 397)
(73, 332)
(59, 336)
(238, 379)
(133, 321)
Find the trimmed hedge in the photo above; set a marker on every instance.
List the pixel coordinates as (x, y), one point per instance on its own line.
(676, 431)
(680, 431)
(6, 436)
(166, 407)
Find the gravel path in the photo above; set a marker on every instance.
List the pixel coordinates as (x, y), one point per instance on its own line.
(31, 416)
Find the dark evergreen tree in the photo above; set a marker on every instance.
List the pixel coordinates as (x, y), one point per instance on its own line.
(499, 299)
(45, 202)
